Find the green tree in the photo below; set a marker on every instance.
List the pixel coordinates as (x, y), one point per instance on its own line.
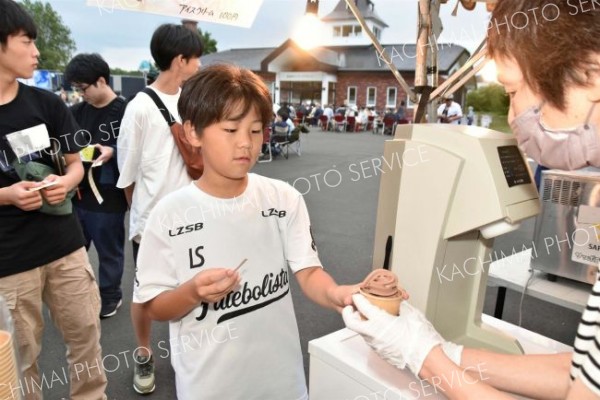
(120, 71)
(491, 98)
(54, 38)
(210, 44)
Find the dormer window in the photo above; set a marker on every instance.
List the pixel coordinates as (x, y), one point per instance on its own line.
(347, 30)
(377, 32)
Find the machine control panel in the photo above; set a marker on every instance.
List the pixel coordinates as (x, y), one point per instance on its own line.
(513, 165)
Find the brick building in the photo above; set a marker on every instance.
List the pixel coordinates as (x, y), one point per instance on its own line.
(348, 69)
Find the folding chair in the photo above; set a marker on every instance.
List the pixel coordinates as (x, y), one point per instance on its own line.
(324, 122)
(358, 125)
(339, 120)
(281, 138)
(389, 125)
(350, 123)
(266, 147)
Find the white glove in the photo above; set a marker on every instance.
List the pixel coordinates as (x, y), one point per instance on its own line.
(403, 340)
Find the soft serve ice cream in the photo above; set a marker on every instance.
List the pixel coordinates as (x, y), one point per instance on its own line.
(380, 287)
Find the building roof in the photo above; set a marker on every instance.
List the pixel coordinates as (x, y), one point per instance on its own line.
(403, 56)
(342, 13)
(337, 58)
(248, 58)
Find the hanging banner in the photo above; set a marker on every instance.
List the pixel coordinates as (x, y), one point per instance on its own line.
(229, 12)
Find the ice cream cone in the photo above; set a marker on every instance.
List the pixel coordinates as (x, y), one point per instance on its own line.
(389, 304)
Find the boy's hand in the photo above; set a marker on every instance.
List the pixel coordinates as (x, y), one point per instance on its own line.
(20, 196)
(56, 193)
(106, 153)
(215, 283)
(341, 295)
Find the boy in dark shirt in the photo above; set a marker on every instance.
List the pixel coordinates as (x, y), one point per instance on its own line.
(42, 254)
(100, 205)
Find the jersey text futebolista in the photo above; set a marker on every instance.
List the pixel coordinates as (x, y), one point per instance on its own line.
(255, 348)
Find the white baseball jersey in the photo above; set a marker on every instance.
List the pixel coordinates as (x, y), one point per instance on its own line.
(245, 346)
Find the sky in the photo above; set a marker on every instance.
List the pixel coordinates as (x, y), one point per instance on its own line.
(123, 37)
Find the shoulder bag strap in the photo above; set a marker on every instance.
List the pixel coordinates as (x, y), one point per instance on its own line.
(161, 106)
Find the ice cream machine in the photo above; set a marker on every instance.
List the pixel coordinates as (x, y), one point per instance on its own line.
(446, 192)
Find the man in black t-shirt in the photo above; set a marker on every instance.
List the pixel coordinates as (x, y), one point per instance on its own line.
(100, 205)
(42, 253)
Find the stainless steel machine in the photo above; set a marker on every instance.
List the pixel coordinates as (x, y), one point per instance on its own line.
(566, 241)
(446, 192)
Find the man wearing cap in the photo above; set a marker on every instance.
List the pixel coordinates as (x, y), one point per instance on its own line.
(449, 112)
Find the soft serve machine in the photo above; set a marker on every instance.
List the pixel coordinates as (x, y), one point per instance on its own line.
(456, 189)
(436, 221)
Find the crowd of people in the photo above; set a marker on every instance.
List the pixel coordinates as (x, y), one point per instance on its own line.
(68, 176)
(362, 117)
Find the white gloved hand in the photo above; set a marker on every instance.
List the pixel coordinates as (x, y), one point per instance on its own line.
(403, 340)
(453, 351)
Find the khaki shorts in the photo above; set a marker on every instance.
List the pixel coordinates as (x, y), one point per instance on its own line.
(68, 288)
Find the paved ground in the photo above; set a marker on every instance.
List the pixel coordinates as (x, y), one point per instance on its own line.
(342, 200)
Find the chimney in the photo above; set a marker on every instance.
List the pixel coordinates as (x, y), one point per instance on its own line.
(190, 24)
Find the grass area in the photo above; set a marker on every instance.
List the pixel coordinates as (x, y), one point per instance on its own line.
(499, 122)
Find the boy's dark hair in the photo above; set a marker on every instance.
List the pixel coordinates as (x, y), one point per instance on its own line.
(87, 68)
(552, 41)
(14, 19)
(170, 41)
(284, 116)
(215, 93)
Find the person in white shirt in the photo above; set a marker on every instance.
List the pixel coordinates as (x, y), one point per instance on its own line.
(363, 116)
(562, 97)
(450, 112)
(328, 112)
(150, 163)
(233, 332)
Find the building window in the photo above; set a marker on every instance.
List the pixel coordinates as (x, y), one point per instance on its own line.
(371, 96)
(351, 95)
(347, 30)
(392, 93)
(410, 104)
(377, 32)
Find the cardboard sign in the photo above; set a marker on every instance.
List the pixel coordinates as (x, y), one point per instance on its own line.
(586, 238)
(229, 12)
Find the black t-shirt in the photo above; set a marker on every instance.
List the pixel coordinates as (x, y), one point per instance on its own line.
(29, 239)
(102, 126)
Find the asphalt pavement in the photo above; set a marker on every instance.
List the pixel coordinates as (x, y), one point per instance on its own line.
(338, 175)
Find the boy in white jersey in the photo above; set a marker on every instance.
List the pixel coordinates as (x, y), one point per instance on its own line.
(233, 333)
(550, 67)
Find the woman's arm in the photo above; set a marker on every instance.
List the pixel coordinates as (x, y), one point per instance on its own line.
(538, 376)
